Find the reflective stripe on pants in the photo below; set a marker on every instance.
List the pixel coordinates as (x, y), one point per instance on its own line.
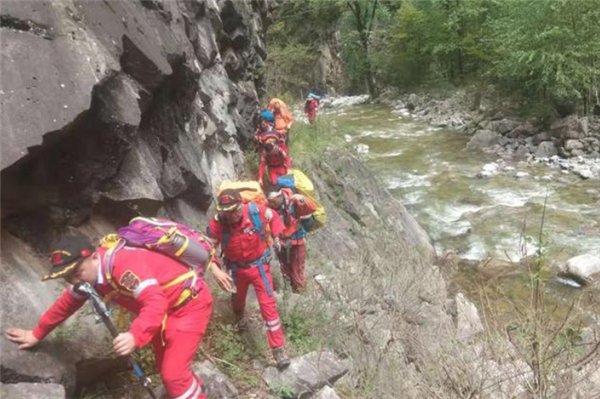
(268, 306)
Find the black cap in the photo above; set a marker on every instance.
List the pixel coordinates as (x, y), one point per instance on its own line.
(68, 252)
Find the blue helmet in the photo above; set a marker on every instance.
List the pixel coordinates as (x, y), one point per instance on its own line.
(267, 116)
(313, 95)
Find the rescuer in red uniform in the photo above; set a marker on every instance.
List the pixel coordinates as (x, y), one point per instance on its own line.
(292, 209)
(147, 283)
(275, 157)
(244, 232)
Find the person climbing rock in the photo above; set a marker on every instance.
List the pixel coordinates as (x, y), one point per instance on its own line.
(283, 117)
(274, 156)
(292, 209)
(172, 305)
(245, 232)
(311, 106)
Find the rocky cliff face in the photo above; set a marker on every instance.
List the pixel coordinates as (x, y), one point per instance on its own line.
(108, 110)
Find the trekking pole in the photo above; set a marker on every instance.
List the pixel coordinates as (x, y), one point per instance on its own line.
(103, 312)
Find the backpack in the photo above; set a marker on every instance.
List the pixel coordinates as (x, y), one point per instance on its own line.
(249, 190)
(173, 239)
(298, 182)
(176, 240)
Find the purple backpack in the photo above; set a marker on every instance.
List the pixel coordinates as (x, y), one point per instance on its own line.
(174, 239)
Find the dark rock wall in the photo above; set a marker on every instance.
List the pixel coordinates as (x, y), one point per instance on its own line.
(122, 106)
(111, 109)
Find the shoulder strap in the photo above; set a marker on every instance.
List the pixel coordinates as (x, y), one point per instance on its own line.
(254, 212)
(109, 264)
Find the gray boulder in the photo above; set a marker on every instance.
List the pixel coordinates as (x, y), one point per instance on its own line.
(504, 126)
(524, 130)
(24, 299)
(572, 144)
(32, 391)
(570, 127)
(541, 137)
(468, 322)
(412, 102)
(308, 373)
(483, 139)
(585, 267)
(216, 384)
(326, 393)
(546, 149)
(583, 171)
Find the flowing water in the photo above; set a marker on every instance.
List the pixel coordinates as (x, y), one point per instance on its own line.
(432, 173)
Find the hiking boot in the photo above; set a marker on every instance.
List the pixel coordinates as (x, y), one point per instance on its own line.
(281, 358)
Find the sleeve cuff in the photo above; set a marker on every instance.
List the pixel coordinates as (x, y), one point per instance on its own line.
(38, 333)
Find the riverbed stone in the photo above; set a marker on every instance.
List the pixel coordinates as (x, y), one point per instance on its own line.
(504, 126)
(584, 267)
(26, 390)
(546, 149)
(571, 145)
(570, 127)
(583, 171)
(483, 139)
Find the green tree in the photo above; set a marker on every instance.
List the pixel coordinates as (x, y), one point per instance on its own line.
(548, 50)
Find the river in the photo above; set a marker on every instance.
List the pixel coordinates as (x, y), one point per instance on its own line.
(430, 170)
(432, 173)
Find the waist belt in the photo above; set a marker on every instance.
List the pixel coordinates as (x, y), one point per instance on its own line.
(260, 263)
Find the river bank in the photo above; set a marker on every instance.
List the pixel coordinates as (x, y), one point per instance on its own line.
(571, 143)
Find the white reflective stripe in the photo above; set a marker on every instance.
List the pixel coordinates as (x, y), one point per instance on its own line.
(75, 294)
(273, 322)
(100, 279)
(198, 392)
(143, 285)
(275, 328)
(190, 391)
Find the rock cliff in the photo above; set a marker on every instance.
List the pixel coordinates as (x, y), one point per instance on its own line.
(108, 110)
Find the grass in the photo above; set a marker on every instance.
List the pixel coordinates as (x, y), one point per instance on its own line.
(310, 143)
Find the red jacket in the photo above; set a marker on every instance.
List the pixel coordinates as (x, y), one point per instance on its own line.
(141, 273)
(244, 243)
(274, 158)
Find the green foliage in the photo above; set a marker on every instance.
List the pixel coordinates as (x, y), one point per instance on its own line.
(547, 49)
(282, 390)
(289, 69)
(298, 331)
(309, 143)
(227, 344)
(545, 54)
(293, 41)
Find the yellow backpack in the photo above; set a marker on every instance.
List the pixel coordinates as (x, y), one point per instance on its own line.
(249, 190)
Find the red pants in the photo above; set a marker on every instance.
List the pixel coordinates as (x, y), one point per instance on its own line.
(293, 268)
(182, 335)
(312, 115)
(268, 307)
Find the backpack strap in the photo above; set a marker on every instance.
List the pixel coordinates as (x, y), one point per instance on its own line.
(254, 212)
